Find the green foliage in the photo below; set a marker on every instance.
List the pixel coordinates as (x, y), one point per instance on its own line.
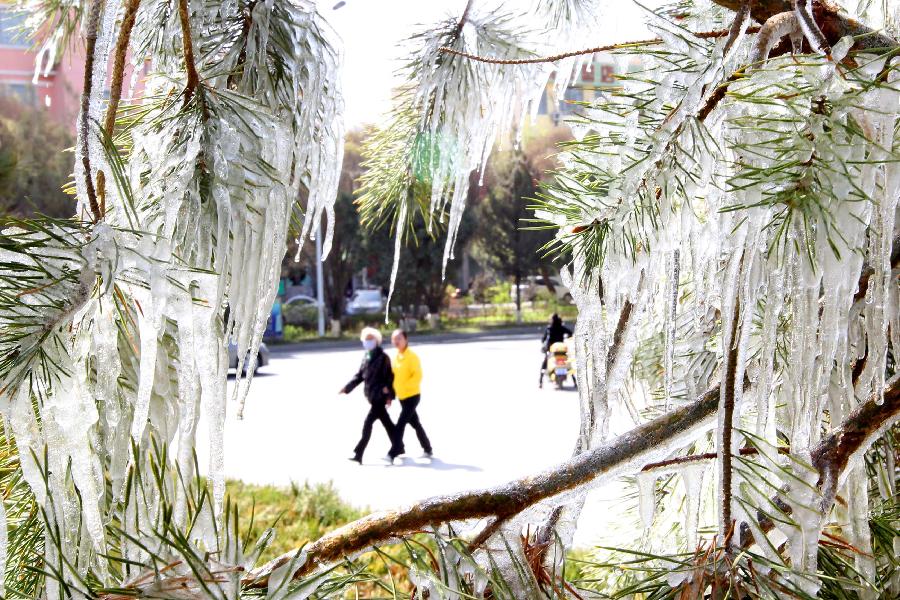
(503, 239)
(34, 164)
(499, 293)
(300, 315)
(300, 514)
(347, 254)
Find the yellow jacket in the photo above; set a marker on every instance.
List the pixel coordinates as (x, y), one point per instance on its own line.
(407, 374)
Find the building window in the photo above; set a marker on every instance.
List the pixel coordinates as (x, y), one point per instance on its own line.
(11, 28)
(23, 92)
(572, 95)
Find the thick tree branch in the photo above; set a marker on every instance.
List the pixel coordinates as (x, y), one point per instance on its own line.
(832, 22)
(862, 427)
(616, 456)
(832, 455)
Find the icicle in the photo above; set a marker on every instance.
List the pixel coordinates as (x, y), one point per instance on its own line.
(671, 324)
(692, 480)
(646, 482)
(398, 246)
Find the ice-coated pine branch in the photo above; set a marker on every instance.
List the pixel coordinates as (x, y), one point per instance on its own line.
(628, 452)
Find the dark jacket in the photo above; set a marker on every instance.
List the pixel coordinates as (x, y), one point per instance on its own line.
(376, 374)
(555, 332)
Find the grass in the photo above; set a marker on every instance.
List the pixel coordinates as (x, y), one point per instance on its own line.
(302, 513)
(299, 513)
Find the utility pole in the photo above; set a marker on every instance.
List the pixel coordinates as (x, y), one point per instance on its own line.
(320, 283)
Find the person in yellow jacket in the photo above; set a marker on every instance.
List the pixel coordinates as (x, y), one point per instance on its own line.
(407, 382)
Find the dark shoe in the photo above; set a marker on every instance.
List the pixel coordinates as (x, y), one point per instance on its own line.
(356, 459)
(428, 454)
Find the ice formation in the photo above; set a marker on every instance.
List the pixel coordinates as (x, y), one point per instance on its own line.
(120, 337)
(768, 212)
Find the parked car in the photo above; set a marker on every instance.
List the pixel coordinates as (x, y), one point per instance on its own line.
(532, 285)
(300, 299)
(365, 302)
(262, 357)
(300, 310)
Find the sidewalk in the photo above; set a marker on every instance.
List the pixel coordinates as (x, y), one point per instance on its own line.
(505, 333)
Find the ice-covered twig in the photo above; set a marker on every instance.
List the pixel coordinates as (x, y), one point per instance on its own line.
(115, 87)
(193, 79)
(832, 456)
(118, 71)
(726, 424)
(772, 32)
(93, 23)
(557, 57)
(738, 26)
(814, 35)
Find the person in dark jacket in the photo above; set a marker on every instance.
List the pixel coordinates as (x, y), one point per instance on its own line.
(377, 377)
(555, 332)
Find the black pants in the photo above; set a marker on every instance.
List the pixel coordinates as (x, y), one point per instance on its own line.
(409, 415)
(377, 412)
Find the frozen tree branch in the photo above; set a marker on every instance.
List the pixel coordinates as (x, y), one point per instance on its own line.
(115, 87)
(830, 457)
(118, 71)
(193, 79)
(620, 46)
(93, 24)
(727, 413)
(868, 421)
(831, 21)
(615, 456)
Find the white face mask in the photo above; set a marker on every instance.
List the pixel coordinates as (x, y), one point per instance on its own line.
(369, 344)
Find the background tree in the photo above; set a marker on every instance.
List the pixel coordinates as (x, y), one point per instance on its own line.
(34, 162)
(505, 240)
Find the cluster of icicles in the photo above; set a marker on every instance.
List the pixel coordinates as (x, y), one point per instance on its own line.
(195, 223)
(463, 107)
(804, 321)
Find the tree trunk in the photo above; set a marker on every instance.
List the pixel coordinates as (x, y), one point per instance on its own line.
(518, 296)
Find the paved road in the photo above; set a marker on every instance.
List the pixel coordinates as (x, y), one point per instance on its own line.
(487, 420)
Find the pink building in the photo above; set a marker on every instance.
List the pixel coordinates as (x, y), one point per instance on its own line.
(59, 92)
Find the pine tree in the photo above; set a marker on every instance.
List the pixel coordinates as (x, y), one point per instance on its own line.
(729, 218)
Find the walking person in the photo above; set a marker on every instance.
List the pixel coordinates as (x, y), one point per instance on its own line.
(407, 382)
(377, 377)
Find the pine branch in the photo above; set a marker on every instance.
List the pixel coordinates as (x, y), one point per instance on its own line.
(613, 457)
(620, 46)
(118, 71)
(831, 457)
(726, 409)
(833, 23)
(115, 88)
(693, 458)
(193, 79)
(93, 24)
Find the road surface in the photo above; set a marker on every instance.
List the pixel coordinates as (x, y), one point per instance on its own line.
(487, 420)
